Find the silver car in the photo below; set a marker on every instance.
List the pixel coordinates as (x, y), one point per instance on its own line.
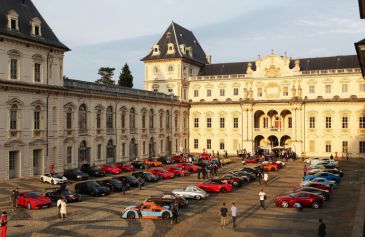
(191, 192)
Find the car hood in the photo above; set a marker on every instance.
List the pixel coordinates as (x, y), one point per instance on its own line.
(40, 199)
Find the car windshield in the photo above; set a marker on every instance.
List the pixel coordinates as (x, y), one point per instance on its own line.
(94, 184)
(131, 178)
(147, 174)
(33, 195)
(115, 182)
(57, 176)
(67, 192)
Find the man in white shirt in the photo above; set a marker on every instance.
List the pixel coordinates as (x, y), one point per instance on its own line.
(234, 214)
(266, 178)
(262, 196)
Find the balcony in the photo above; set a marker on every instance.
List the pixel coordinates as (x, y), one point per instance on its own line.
(83, 132)
(273, 130)
(152, 130)
(133, 130)
(37, 133)
(110, 131)
(14, 134)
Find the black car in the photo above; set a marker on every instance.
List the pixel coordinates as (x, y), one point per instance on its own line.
(92, 170)
(92, 188)
(165, 160)
(55, 193)
(138, 164)
(75, 174)
(248, 177)
(250, 170)
(131, 180)
(114, 185)
(146, 176)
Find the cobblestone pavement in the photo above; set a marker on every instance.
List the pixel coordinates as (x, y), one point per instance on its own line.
(100, 216)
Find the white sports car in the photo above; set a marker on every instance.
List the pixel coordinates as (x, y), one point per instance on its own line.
(54, 178)
(191, 192)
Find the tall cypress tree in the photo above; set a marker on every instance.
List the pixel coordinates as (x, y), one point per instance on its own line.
(125, 77)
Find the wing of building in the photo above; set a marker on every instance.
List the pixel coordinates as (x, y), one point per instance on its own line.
(48, 123)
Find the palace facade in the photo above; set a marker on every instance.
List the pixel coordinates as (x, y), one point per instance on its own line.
(312, 105)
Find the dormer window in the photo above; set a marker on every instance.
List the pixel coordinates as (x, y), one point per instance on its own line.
(156, 50)
(170, 48)
(13, 23)
(189, 51)
(36, 27)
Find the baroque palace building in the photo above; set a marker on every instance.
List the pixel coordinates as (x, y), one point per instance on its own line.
(312, 105)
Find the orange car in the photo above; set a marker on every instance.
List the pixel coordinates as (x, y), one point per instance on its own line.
(270, 167)
(151, 162)
(147, 210)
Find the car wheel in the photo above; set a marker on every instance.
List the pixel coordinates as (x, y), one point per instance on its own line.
(223, 190)
(131, 215)
(272, 169)
(315, 205)
(52, 181)
(29, 206)
(324, 197)
(165, 215)
(284, 204)
(197, 197)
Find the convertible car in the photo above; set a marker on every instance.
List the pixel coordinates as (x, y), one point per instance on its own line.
(54, 178)
(33, 200)
(304, 198)
(124, 166)
(177, 171)
(215, 186)
(324, 181)
(323, 193)
(147, 210)
(191, 192)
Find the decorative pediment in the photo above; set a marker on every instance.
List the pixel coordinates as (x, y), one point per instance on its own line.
(236, 85)
(38, 102)
(70, 105)
(69, 140)
(14, 143)
(209, 86)
(99, 106)
(274, 66)
(37, 58)
(37, 142)
(15, 101)
(209, 114)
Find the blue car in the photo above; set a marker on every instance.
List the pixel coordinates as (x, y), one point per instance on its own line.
(325, 175)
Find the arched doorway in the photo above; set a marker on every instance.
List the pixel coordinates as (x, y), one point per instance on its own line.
(257, 118)
(168, 146)
(259, 141)
(275, 120)
(110, 152)
(152, 148)
(273, 141)
(84, 154)
(285, 141)
(132, 150)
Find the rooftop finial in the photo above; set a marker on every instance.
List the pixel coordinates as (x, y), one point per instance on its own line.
(285, 53)
(272, 51)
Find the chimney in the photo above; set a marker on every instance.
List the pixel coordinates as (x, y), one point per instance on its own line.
(209, 59)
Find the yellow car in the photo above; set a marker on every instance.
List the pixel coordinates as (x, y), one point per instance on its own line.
(226, 161)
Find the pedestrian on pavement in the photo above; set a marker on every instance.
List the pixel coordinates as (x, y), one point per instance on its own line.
(266, 178)
(59, 207)
(3, 223)
(211, 171)
(124, 185)
(140, 183)
(234, 214)
(262, 197)
(259, 176)
(175, 212)
(204, 171)
(63, 206)
(305, 170)
(347, 156)
(223, 214)
(321, 228)
(199, 171)
(17, 196)
(331, 157)
(13, 199)
(215, 169)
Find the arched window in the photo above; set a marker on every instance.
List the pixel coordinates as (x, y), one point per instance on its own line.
(37, 117)
(161, 120)
(151, 118)
(13, 117)
(123, 119)
(176, 122)
(167, 119)
(82, 118)
(109, 117)
(143, 120)
(69, 118)
(110, 152)
(132, 118)
(98, 119)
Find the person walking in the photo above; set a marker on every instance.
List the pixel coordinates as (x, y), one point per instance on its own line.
(266, 178)
(139, 183)
(175, 213)
(3, 224)
(62, 207)
(124, 185)
(347, 156)
(13, 199)
(321, 228)
(234, 214)
(215, 169)
(58, 204)
(223, 213)
(259, 176)
(199, 171)
(305, 170)
(262, 197)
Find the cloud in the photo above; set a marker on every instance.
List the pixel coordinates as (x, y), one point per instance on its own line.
(336, 25)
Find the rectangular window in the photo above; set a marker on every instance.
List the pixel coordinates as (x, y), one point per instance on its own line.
(362, 122)
(221, 122)
(196, 93)
(285, 91)
(290, 122)
(143, 121)
(312, 146)
(345, 88)
(209, 122)
(13, 24)
(196, 122)
(209, 93)
(69, 120)
(345, 146)
(36, 30)
(98, 119)
(362, 147)
(259, 92)
(123, 149)
(221, 145)
(362, 87)
(37, 119)
(196, 143)
(98, 152)
(37, 72)
(312, 89)
(266, 122)
(161, 146)
(345, 123)
(328, 122)
(69, 154)
(221, 92)
(209, 144)
(13, 119)
(144, 148)
(12, 159)
(312, 122)
(328, 146)
(235, 91)
(235, 122)
(13, 69)
(328, 88)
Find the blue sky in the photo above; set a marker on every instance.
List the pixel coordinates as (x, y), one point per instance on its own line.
(112, 32)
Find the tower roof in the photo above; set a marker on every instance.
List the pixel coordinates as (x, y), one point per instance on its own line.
(26, 12)
(180, 38)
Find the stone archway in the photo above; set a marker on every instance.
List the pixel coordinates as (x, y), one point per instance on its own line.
(110, 152)
(273, 141)
(84, 153)
(133, 149)
(152, 148)
(259, 141)
(285, 141)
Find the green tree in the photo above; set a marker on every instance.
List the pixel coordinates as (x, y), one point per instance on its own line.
(106, 75)
(125, 77)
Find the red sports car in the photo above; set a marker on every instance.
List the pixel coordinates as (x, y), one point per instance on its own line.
(162, 173)
(177, 171)
(232, 180)
(253, 159)
(318, 185)
(214, 186)
(112, 169)
(178, 159)
(124, 166)
(33, 200)
(189, 167)
(304, 198)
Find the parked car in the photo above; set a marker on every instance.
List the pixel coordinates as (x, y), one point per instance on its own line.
(54, 178)
(152, 162)
(247, 177)
(332, 171)
(326, 175)
(131, 180)
(162, 173)
(55, 193)
(178, 159)
(189, 167)
(111, 169)
(168, 199)
(146, 176)
(33, 200)
(230, 179)
(92, 170)
(226, 161)
(165, 160)
(250, 170)
(75, 174)
(92, 188)
(177, 171)
(191, 192)
(321, 181)
(323, 193)
(316, 185)
(138, 164)
(215, 186)
(253, 159)
(124, 166)
(269, 167)
(304, 198)
(147, 210)
(113, 184)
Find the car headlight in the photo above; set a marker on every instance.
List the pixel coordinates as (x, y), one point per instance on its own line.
(78, 176)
